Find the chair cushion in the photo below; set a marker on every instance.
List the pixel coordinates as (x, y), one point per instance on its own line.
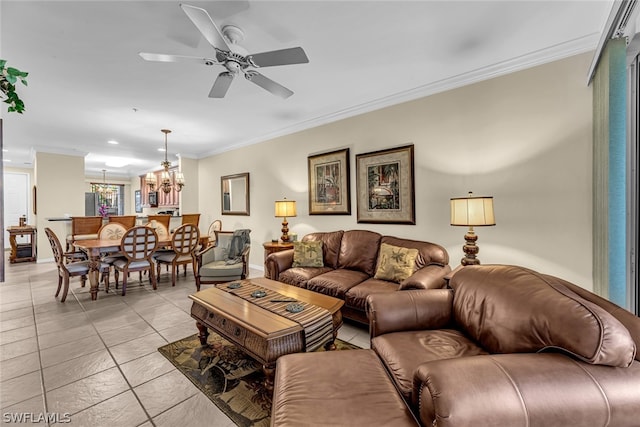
(509, 309)
(395, 263)
(220, 269)
(135, 265)
(307, 254)
(403, 352)
(78, 267)
(170, 256)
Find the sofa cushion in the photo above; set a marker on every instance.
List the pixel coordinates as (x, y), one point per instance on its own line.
(336, 388)
(395, 263)
(336, 283)
(403, 352)
(510, 309)
(356, 297)
(307, 254)
(299, 276)
(330, 245)
(359, 251)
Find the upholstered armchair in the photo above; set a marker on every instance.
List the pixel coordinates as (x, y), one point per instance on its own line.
(226, 261)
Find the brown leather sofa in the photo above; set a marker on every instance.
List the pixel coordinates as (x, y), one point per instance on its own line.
(350, 262)
(501, 346)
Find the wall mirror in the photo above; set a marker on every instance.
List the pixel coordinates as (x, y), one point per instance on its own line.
(235, 194)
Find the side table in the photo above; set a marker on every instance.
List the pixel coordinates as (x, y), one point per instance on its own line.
(22, 252)
(271, 247)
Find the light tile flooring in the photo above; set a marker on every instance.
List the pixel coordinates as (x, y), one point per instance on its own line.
(97, 361)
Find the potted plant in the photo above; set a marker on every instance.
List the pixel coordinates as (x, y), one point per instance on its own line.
(8, 80)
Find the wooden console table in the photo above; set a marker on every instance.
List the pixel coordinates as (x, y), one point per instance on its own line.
(22, 252)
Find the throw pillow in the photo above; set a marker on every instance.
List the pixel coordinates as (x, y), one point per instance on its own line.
(307, 254)
(395, 263)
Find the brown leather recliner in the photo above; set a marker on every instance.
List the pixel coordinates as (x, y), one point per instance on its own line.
(503, 346)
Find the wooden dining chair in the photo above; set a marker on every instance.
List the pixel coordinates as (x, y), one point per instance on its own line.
(184, 242)
(127, 220)
(112, 231)
(137, 245)
(191, 219)
(71, 269)
(213, 227)
(82, 228)
(160, 219)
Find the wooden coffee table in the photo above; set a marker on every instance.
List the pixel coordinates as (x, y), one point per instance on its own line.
(260, 333)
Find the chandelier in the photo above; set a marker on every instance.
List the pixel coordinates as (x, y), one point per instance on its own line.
(165, 177)
(104, 190)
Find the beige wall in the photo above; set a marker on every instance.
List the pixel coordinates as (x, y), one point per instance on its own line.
(524, 138)
(60, 191)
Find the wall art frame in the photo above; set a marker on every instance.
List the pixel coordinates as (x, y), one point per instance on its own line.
(329, 183)
(386, 187)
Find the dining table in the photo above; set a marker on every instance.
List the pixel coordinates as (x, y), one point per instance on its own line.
(94, 248)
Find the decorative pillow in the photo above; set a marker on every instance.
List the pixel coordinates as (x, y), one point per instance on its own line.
(307, 254)
(395, 263)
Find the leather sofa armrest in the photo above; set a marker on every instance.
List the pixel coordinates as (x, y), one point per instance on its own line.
(521, 389)
(409, 310)
(277, 262)
(428, 277)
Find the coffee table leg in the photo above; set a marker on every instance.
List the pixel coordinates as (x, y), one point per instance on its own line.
(269, 374)
(204, 333)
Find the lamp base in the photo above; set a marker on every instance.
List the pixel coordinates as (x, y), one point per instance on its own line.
(285, 231)
(470, 249)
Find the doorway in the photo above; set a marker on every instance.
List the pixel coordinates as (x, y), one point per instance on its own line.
(16, 200)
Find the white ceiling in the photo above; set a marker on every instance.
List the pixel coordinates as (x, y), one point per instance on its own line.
(87, 84)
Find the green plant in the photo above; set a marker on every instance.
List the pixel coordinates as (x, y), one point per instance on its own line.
(8, 80)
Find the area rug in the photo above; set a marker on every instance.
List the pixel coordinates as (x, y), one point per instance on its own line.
(227, 376)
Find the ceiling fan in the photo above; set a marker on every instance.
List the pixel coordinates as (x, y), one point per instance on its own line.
(232, 56)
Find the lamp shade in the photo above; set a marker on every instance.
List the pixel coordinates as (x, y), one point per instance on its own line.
(285, 208)
(472, 211)
(150, 178)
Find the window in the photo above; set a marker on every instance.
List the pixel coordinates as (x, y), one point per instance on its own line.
(111, 196)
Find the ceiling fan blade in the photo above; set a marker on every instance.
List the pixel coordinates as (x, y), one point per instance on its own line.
(268, 84)
(294, 55)
(161, 57)
(207, 27)
(221, 85)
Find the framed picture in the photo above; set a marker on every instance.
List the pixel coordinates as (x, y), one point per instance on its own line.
(138, 196)
(329, 183)
(385, 185)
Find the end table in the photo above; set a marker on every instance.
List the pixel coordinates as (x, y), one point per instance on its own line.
(22, 252)
(271, 247)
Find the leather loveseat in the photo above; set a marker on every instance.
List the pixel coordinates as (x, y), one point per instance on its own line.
(351, 267)
(501, 346)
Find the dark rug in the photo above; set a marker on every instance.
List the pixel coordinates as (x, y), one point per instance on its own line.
(227, 376)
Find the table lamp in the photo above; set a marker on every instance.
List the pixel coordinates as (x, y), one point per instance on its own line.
(285, 208)
(472, 211)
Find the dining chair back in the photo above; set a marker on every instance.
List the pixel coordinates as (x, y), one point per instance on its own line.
(127, 221)
(160, 219)
(184, 242)
(191, 219)
(82, 228)
(80, 268)
(213, 227)
(137, 246)
(112, 231)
